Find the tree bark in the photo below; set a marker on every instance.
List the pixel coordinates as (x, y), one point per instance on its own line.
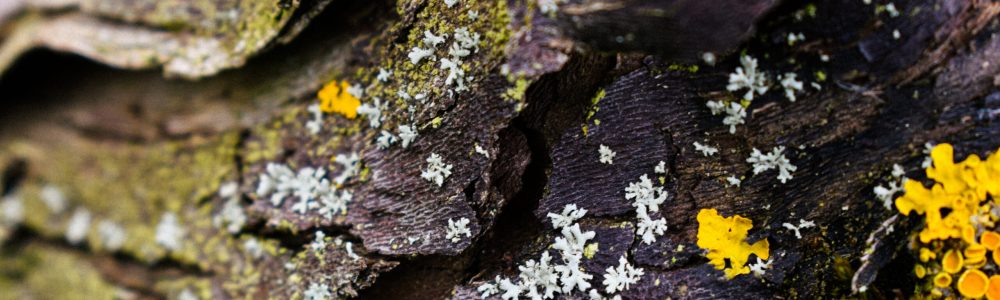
(134, 110)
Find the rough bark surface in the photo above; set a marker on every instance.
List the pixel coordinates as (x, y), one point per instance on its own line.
(135, 110)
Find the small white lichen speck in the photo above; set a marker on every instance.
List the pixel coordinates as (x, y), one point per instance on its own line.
(78, 225)
(11, 210)
(112, 235)
(455, 229)
(660, 168)
(705, 149)
(317, 291)
(606, 156)
(169, 232)
(53, 198)
(774, 159)
(733, 181)
(798, 228)
(758, 267)
(790, 85)
(437, 171)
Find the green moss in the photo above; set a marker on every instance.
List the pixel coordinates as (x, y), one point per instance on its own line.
(39, 272)
(683, 68)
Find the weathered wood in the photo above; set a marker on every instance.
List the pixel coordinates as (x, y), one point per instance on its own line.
(546, 90)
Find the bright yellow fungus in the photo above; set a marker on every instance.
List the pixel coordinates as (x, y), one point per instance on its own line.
(920, 271)
(959, 187)
(334, 98)
(952, 262)
(990, 240)
(993, 291)
(927, 255)
(724, 240)
(996, 257)
(973, 284)
(942, 280)
(974, 254)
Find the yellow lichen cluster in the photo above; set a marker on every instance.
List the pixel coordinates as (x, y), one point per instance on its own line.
(334, 98)
(959, 222)
(724, 239)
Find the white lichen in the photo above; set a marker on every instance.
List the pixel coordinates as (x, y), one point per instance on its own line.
(317, 291)
(735, 115)
(417, 54)
(253, 247)
(436, 171)
(794, 38)
(372, 112)
(53, 198)
(111, 234)
(385, 140)
(748, 77)
(489, 289)
(661, 168)
(790, 85)
(11, 210)
(450, 3)
(356, 90)
(570, 247)
(350, 167)
(708, 58)
(617, 279)
(772, 160)
(232, 216)
(605, 155)
(432, 40)
(169, 232)
(316, 123)
(539, 280)
(928, 161)
(569, 215)
(78, 225)
(383, 75)
(803, 224)
(407, 135)
(891, 9)
(733, 181)
(758, 267)
(479, 150)
(645, 195)
(705, 149)
(349, 248)
(455, 229)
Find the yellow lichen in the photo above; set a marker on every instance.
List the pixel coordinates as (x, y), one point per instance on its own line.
(952, 262)
(920, 271)
(960, 188)
(724, 239)
(990, 240)
(942, 280)
(993, 291)
(973, 284)
(959, 219)
(334, 98)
